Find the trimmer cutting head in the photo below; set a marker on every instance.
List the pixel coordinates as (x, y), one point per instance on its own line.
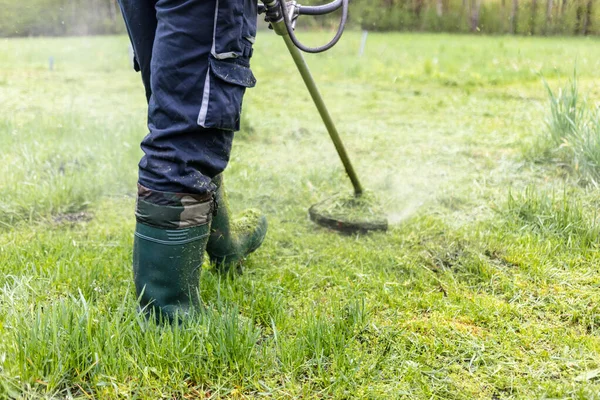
(359, 213)
(350, 214)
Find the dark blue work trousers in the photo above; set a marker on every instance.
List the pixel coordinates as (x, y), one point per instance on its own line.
(194, 58)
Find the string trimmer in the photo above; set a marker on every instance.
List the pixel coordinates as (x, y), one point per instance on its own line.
(348, 214)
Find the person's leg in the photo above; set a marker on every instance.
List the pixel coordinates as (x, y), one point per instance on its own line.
(140, 20)
(172, 41)
(179, 154)
(198, 72)
(172, 219)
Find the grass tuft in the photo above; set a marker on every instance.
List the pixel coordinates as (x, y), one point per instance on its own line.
(572, 136)
(552, 215)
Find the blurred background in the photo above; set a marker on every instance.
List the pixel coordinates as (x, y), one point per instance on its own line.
(521, 17)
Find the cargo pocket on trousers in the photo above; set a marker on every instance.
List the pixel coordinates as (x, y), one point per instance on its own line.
(224, 88)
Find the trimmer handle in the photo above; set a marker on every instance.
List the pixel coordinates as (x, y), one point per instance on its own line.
(309, 10)
(320, 10)
(276, 9)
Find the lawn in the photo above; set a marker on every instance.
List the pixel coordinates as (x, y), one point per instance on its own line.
(485, 286)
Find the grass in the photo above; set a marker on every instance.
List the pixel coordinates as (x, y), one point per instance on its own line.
(573, 138)
(485, 286)
(551, 216)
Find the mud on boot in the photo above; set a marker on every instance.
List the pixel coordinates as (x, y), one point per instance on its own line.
(231, 240)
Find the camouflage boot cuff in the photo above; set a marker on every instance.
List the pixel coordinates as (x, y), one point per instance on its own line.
(168, 210)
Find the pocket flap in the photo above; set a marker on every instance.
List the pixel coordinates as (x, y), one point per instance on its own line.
(233, 73)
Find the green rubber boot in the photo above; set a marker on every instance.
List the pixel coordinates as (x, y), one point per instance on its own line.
(230, 240)
(170, 238)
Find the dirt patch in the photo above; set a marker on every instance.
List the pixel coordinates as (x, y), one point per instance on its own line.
(447, 258)
(72, 218)
(498, 258)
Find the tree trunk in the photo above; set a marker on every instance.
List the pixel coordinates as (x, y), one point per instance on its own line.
(112, 11)
(587, 24)
(73, 15)
(439, 8)
(534, 5)
(446, 4)
(578, 22)
(475, 7)
(503, 15)
(548, 17)
(563, 7)
(418, 11)
(514, 14)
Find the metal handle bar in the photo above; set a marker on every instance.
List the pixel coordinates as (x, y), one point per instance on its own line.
(320, 10)
(312, 10)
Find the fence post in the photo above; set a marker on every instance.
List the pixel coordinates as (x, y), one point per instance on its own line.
(363, 43)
